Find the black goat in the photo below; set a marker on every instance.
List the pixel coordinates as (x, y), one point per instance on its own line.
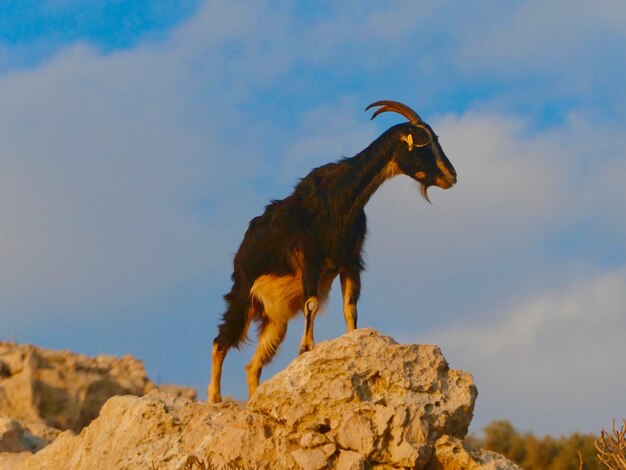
(291, 254)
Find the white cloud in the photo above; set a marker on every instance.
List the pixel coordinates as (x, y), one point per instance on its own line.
(546, 35)
(500, 232)
(326, 133)
(553, 56)
(555, 359)
(495, 217)
(105, 163)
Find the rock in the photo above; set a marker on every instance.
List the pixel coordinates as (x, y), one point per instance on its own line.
(312, 439)
(451, 454)
(65, 390)
(348, 460)
(386, 401)
(177, 390)
(313, 459)
(20, 437)
(128, 429)
(355, 433)
(359, 401)
(10, 439)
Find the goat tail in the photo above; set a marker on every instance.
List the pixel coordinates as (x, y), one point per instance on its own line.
(236, 320)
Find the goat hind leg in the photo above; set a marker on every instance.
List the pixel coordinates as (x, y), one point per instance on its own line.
(231, 333)
(271, 334)
(217, 360)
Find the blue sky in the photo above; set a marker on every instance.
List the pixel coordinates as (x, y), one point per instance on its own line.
(137, 139)
(108, 25)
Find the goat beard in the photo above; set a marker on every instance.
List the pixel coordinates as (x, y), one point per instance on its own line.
(424, 192)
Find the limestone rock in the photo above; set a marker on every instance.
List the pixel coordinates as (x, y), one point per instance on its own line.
(313, 459)
(386, 401)
(63, 389)
(177, 390)
(360, 401)
(451, 454)
(348, 460)
(20, 437)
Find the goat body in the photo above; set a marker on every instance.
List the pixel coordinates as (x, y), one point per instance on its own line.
(291, 254)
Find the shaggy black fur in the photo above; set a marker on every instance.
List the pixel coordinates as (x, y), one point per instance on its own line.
(324, 220)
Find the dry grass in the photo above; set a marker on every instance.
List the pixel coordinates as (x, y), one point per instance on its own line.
(194, 463)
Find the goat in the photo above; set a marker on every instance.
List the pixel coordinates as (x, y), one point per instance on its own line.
(291, 254)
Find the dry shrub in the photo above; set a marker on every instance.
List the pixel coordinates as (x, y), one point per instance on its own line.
(611, 447)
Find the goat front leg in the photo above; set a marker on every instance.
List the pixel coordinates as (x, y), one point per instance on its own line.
(311, 307)
(351, 289)
(310, 281)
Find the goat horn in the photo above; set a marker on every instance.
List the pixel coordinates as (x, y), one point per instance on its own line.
(396, 107)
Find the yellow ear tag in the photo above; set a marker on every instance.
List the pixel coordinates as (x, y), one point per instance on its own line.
(409, 140)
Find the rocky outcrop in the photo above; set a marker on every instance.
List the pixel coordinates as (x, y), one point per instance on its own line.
(18, 437)
(452, 454)
(64, 390)
(367, 394)
(360, 401)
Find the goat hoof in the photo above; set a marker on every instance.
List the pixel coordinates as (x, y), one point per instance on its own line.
(304, 348)
(213, 397)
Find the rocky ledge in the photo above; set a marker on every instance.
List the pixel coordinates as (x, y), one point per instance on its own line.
(361, 401)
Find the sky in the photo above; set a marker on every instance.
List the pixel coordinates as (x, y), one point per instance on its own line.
(137, 140)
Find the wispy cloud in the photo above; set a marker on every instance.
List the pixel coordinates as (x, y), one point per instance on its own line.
(544, 37)
(550, 55)
(511, 193)
(554, 358)
(103, 164)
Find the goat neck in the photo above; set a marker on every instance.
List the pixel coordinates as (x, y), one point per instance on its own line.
(358, 178)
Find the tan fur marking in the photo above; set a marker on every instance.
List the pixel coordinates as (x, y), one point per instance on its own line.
(390, 170)
(409, 140)
(281, 296)
(444, 170)
(270, 337)
(310, 310)
(442, 183)
(213, 390)
(442, 167)
(349, 308)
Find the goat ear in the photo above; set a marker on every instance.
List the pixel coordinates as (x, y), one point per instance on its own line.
(409, 140)
(421, 139)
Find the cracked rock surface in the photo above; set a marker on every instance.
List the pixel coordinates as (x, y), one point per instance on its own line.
(361, 401)
(65, 390)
